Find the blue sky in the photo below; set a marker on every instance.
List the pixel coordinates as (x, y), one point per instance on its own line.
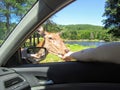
(81, 12)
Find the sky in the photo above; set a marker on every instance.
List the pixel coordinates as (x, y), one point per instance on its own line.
(81, 12)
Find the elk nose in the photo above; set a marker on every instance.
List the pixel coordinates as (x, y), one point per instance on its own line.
(67, 50)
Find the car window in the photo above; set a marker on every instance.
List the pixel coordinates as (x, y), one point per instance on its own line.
(11, 12)
(77, 30)
(72, 29)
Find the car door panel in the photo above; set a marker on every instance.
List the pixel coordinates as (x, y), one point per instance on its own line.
(34, 75)
(54, 76)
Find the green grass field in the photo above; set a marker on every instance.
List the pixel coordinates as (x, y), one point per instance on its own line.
(54, 58)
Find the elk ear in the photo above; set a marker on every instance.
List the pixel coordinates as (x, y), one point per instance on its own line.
(41, 31)
(59, 33)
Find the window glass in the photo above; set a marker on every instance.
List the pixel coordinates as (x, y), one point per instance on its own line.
(11, 12)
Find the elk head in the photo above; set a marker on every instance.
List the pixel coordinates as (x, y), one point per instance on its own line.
(53, 42)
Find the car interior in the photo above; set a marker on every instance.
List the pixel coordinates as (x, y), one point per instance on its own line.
(17, 73)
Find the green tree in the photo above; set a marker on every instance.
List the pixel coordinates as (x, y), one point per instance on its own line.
(112, 14)
(11, 12)
(51, 26)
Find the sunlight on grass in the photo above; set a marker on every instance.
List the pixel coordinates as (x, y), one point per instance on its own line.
(76, 47)
(52, 58)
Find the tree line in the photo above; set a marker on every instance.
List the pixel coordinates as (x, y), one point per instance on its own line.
(85, 31)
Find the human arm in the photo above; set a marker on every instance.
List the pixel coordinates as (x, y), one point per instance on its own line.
(104, 53)
(84, 55)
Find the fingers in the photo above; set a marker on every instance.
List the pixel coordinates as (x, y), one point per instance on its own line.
(67, 56)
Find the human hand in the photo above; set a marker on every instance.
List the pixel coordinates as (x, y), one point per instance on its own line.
(67, 56)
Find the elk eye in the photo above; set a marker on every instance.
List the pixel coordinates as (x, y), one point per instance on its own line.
(50, 37)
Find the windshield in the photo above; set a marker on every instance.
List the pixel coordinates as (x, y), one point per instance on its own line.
(11, 12)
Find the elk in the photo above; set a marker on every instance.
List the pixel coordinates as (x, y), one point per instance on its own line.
(52, 42)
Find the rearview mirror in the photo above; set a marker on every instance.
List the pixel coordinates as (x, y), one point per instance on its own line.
(37, 53)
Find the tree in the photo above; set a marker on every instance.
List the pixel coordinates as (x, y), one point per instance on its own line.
(51, 26)
(112, 13)
(11, 12)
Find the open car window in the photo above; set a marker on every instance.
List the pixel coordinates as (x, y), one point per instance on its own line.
(76, 29)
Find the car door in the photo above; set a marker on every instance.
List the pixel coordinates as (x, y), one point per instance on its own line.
(64, 75)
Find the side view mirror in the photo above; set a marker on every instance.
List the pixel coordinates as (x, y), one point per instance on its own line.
(37, 53)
